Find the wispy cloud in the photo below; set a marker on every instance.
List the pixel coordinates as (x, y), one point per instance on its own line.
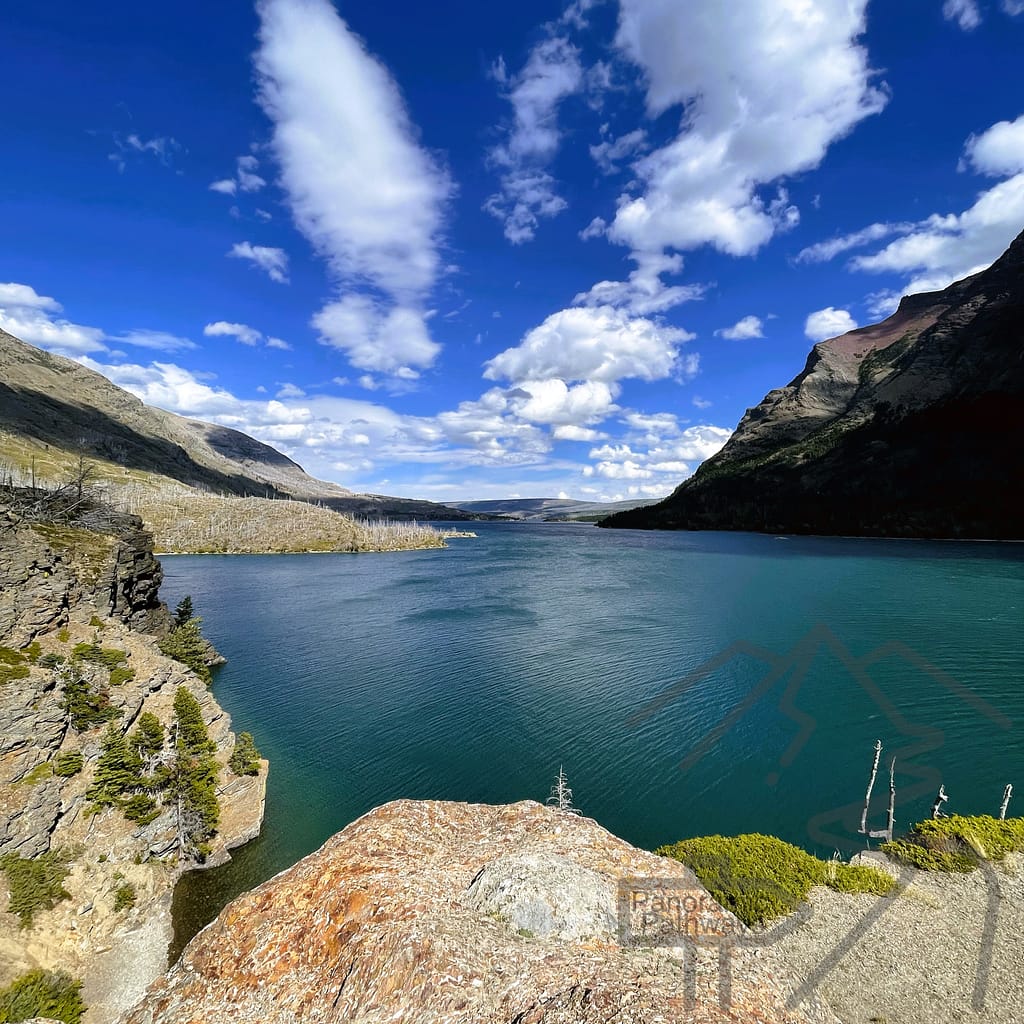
(162, 148)
(528, 192)
(273, 262)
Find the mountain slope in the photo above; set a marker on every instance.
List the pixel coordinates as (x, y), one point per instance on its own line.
(52, 410)
(911, 427)
(546, 509)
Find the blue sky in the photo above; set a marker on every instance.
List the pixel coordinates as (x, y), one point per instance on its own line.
(461, 251)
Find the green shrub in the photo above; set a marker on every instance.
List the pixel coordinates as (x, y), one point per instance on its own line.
(148, 736)
(194, 777)
(124, 897)
(63, 635)
(121, 675)
(108, 657)
(141, 808)
(67, 764)
(117, 770)
(958, 843)
(85, 706)
(760, 878)
(36, 883)
(245, 758)
(52, 994)
(96, 622)
(12, 665)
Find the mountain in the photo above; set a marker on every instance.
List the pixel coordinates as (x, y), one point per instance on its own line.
(54, 410)
(546, 509)
(908, 428)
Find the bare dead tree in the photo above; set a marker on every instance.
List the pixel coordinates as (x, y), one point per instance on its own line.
(561, 794)
(871, 786)
(940, 799)
(1007, 793)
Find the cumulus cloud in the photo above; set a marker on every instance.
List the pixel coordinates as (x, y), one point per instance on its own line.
(240, 332)
(31, 317)
(273, 262)
(748, 327)
(964, 12)
(528, 192)
(387, 340)
(766, 89)
(999, 151)
(828, 323)
(595, 344)
(363, 191)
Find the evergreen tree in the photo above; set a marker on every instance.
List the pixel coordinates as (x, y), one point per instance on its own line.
(183, 613)
(118, 770)
(147, 739)
(185, 643)
(195, 776)
(245, 758)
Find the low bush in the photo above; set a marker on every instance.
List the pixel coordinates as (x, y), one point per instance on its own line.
(67, 764)
(52, 994)
(124, 897)
(13, 665)
(245, 758)
(108, 657)
(957, 843)
(35, 883)
(760, 878)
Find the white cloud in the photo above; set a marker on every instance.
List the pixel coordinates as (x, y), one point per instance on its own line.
(766, 87)
(572, 432)
(609, 153)
(748, 327)
(644, 292)
(161, 147)
(661, 452)
(161, 341)
(29, 316)
(26, 297)
(278, 343)
(822, 252)
(391, 341)
(361, 189)
(701, 403)
(828, 323)
(289, 390)
(944, 248)
(364, 192)
(245, 178)
(554, 401)
(528, 192)
(273, 262)
(964, 12)
(240, 332)
(1012, 7)
(999, 151)
(593, 344)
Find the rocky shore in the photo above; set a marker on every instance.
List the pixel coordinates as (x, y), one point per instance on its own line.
(71, 586)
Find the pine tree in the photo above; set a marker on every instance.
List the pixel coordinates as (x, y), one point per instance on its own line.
(118, 770)
(245, 758)
(183, 613)
(194, 777)
(561, 794)
(147, 739)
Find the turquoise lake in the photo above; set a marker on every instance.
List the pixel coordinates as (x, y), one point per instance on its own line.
(689, 683)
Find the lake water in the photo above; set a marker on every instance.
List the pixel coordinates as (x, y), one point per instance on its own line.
(689, 683)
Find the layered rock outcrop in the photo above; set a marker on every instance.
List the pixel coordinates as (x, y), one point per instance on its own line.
(467, 914)
(910, 427)
(89, 580)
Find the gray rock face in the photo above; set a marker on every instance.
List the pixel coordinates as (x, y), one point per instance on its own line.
(543, 894)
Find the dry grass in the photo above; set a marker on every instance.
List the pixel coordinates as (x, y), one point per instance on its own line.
(184, 521)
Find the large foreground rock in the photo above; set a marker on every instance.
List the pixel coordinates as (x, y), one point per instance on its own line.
(467, 914)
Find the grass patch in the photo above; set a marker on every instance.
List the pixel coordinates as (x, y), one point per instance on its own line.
(67, 764)
(36, 883)
(121, 675)
(51, 994)
(958, 843)
(761, 878)
(124, 897)
(13, 665)
(40, 773)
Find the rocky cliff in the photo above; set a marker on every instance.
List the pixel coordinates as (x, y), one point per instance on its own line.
(79, 591)
(907, 428)
(468, 914)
